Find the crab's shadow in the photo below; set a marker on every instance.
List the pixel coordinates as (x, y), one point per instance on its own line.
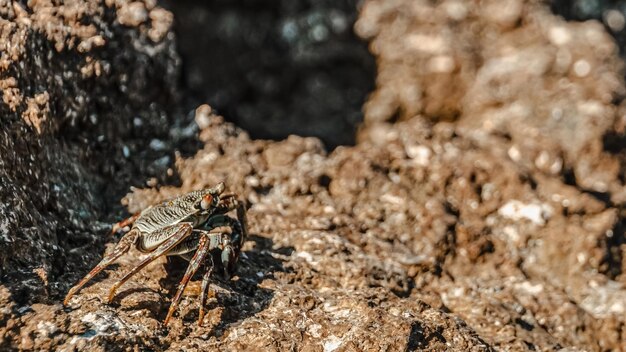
(240, 297)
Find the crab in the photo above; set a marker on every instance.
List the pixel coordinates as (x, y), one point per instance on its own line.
(194, 226)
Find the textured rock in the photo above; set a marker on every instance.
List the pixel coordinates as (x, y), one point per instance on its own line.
(507, 68)
(73, 112)
(470, 235)
(333, 256)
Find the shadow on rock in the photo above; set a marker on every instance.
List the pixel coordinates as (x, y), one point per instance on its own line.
(149, 305)
(420, 339)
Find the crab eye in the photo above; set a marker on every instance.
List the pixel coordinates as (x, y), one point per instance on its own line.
(206, 202)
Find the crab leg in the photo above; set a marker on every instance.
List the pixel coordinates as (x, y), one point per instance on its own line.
(122, 247)
(175, 234)
(204, 246)
(229, 255)
(243, 221)
(204, 291)
(217, 239)
(127, 222)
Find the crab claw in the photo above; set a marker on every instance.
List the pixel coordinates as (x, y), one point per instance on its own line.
(229, 259)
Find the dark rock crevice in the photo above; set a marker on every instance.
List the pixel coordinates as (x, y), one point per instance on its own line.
(276, 68)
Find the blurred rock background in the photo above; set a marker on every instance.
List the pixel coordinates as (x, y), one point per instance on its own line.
(276, 67)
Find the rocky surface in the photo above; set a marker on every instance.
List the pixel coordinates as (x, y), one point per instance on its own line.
(523, 73)
(83, 95)
(479, 210)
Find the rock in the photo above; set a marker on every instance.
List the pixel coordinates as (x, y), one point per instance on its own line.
(507, 67)
(66, 102)
(480, 233)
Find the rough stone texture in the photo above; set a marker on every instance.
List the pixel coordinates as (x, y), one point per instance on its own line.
(81, 95)
(504, 67)
(426, 235)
